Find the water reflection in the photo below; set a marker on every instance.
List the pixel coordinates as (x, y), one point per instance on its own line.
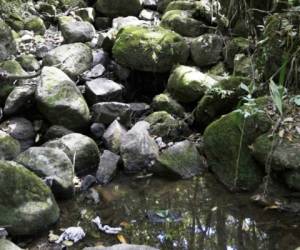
(210, 217)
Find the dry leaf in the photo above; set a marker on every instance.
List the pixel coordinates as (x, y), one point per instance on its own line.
(281, 133)
(121, 238)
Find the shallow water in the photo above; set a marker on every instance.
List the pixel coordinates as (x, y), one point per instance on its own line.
(194, 214)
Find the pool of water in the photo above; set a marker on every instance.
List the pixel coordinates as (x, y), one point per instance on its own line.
(193, 214)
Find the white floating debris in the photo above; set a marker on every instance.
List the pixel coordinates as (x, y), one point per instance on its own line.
(74, 234)
(107, 229)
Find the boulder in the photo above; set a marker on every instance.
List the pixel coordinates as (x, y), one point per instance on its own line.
(73, 59)
(25, 200)
(183, 23)
(76, 31)
(7, 42)
(103, 90)
(182, 160)
(113, 135)
(20, 129)
(60, 101)
(226, 142)
(188, 84)
(207, 49)
(53, 165)
(150, 49)
(9, 147)
(35, 24)
(107, 167)
(115, 8)
(138, 148)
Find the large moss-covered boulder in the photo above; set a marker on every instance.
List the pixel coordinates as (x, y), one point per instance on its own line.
(7, 41)
(27, 205)
(60, 101)
(36, 24)
(151, 49)
(53, 165)
(183, 23)
(188, 84)
(227, 143)
(182, 160)
(9, 147)
(219, 100)
(73, 59)
(115, 8)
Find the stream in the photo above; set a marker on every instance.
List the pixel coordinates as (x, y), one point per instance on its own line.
(193, 214)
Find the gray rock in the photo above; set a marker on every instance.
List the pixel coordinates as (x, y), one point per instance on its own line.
(139, 109)
(150, 4)
(20, 129)
(55, 132)
(207, 49)
(122, 247)
(113, 135)
(87, 182)
(103, 90)
(9, 147)
(121, 22)
(73, 59)
(97, 71)
(107, 167)
(149, 15)
(8, 245)
(97, 129)
(107, 112)
(182, 160)
(19, 98)
(100, 57)
(138, 149)
(60, 101)
(7, 42)
(53, 165)
(29, 205)
(76, 31)
(86, 14)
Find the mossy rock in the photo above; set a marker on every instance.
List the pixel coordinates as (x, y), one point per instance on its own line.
(188, 84)
(9, 147)
(151, 49)
(29, 62)
(35, 24)
(25, 200)
(183, 23)
(219, 100)
(227, 143)
(282, 153)
(115, 8)
(164, 102)
(183, 5)
(15, 21)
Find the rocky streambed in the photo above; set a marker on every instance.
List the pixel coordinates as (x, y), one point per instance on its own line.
(99, 99)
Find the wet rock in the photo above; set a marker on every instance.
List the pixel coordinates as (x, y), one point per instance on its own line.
(60, 101)
(86, 14)
(183, 23)
(226, 142)
(97, 129)
(29, 62)
(20, 129)
(87, 182)
(182, 160)
(151, 49)
(55, 132)
(220, 100)
(8, 245)
(100, 57)
(107, 167)
(103, 90)
(25, 194)
(84, 151)
(53, 165)
(164, 102)
(207, 49)
(122, 247)
(121, 22)
(107, 112)
(149, 15)
(166, 126)
(138, 149)
(113, 135)
(73, 59)
(7, 41)
(35, 24)
(76, 31)
(114, 8)
(97, 71)
(188, 84)
(139, 109)
(20, 97)
(9, 147)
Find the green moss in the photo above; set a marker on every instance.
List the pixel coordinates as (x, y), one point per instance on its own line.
(9, 147)
(164, 102)
(35, 24)
(149, 49)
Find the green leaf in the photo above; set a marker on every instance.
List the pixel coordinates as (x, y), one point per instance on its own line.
(277, 96)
